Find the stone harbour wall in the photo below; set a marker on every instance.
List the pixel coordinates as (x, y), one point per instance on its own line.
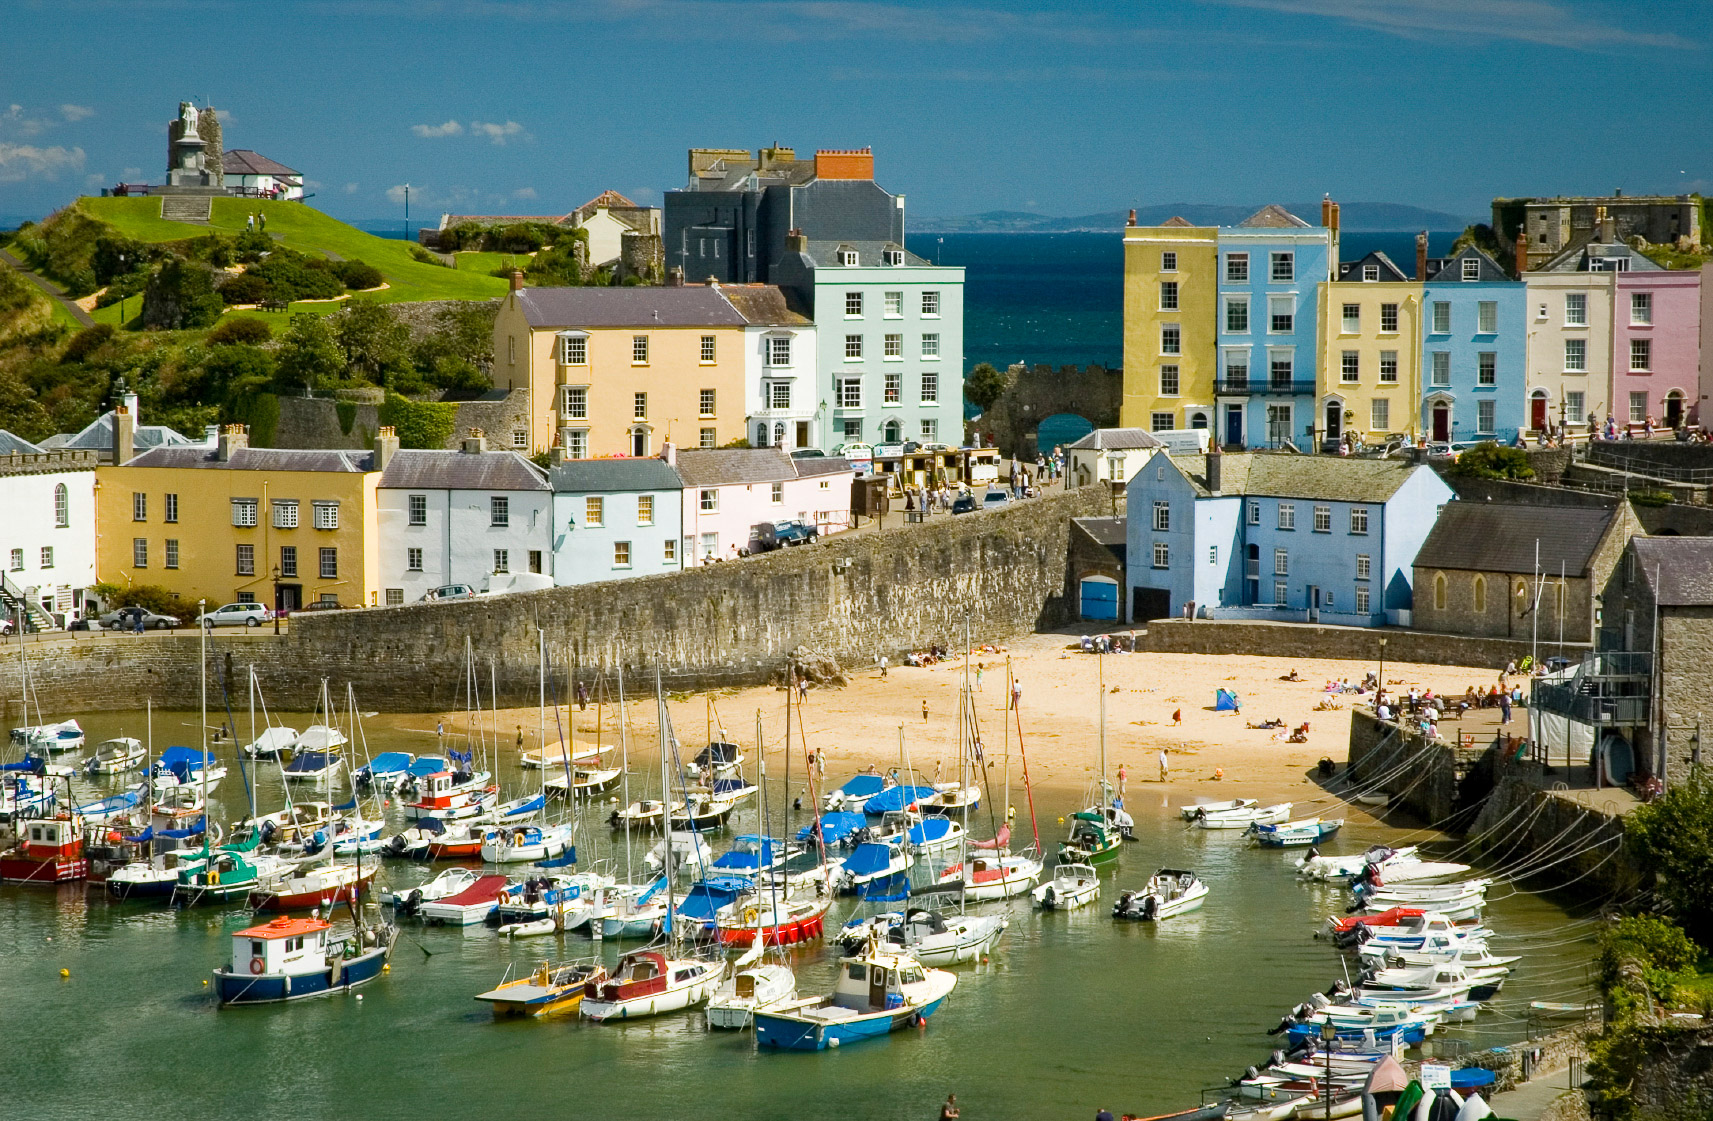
(1309, 640)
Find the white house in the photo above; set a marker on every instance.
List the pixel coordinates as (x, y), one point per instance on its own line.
(781, 393)
(608, 217)
(259, 176)
(456, 517)
(615, 518)
(47, 536)
(1093, 458)
(728, 491)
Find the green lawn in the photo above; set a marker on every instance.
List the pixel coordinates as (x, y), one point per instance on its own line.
(278, 320)
(307, 230)
(486, 262)
(62, 315)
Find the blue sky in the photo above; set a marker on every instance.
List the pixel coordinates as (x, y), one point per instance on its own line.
(534, 106)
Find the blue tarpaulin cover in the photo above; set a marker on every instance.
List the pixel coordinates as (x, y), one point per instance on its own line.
(891, 801)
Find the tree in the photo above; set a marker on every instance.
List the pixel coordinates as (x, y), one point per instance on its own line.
(1674, 837)
(309, 355)
(1492, 461)
(375, 342)
(240, 329)
(180, 296)
(984, 385)
(150, 597)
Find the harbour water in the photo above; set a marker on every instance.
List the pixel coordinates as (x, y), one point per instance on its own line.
(1072, 1012)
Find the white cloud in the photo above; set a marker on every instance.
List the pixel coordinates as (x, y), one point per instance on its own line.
(1529, 21)
(224, 116)
(399, 193)
(130, 174)
(75, 112)
(524, 193)
(642, 194)
(20, 161)
(16, 122)
(497, 133)
(450, 128)
(351, 188)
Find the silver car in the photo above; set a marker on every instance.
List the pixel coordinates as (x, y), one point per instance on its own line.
(238, 615)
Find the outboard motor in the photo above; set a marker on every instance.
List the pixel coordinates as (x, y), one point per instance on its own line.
(1150, 906)
(396, 845)
(1283, 1026)
(1339, 988)
(1047, 897)
(268, 831)
(412, 902)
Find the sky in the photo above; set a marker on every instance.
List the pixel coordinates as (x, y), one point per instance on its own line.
(535, 106)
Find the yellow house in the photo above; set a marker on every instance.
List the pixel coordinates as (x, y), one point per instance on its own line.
(619, 371)
(1371, 343)
(1171, 286)
(236, 524)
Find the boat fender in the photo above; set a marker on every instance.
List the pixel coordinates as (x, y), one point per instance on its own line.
(1370, 1107)
(257, 966)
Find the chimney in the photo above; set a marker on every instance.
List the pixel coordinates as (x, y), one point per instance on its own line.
(130, 402)
(1132, 220)
(1522, 251)
(557, 456)
(210, 435)
(517, 280)
(1214, 458)
(1608, 228)
(124, 434)
(669, 453)
(233, 437)
(1326, 210)
(476, 442)
(386, 446)
(797, 242)
(675, 277)
(1421, 256)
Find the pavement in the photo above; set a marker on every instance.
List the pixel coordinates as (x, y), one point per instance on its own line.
(1530, 1100)
(54, 292)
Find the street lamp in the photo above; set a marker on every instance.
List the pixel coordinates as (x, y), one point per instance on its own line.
(277, 599)
(1380, 690)
(1328, 1033)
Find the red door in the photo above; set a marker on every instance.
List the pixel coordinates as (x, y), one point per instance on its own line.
(1537, 414)
(1442, 423)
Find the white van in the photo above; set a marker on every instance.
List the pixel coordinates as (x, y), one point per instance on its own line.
(499, 583)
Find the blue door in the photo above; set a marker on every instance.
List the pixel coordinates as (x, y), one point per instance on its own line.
(1234, 425)
(1100, 599)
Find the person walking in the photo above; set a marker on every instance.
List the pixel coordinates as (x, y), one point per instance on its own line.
(924, 708)
(1504, 708)
(1122, 776)
(883, 667)
(978, 678)
(440, 731)
(1177, 717)
(582, 697)
(949, 1111)
(520, 737)
(1016, 693)
(1165, 771)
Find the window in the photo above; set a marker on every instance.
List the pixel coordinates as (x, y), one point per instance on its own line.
(710, 501)
(1323, 519)
(1160, 422)
(1484, 416)
(931, 344)
(639, 350)
(645, 509)
(1168, 295)
(669, 551)
(853, 305)
(1641, 354)
(853, 348)
(499, 512)
(1280, 369)
(246, 560)
(1254, 513)
(1363, 566)
(931, 305)
(1388, 319)
(62, 507)
(1441, 317)
(1359, 520)
(59, 498)
(1370, 273)
(1280, 594)
(1471, 268)
(1213, 554)
(705, 402)
(395, 597)
(329, 564)
(893, 305)
(1439, 592)
(326, 514)
(1352, 318)
(412, 560)
(139, 555)
(172, 553)
(573, 350)
(1281, 315)
(708, 348)
(511, 349)
(1169, 381)
(139, 507)
(243, 511)
(594, 511)
(502, 560)
(418, 509)
(1440, 368)
(1236, 268)
(894, 346)
(1573, 406)
(1168, 261)
(574, 402)
(288, 560)
(577, 443)
(1287, 515)
(930, 389)
(1487, 368)
(1486, 317)
(621, 554)
(1380, 414)
(1162, 555)
(1575, 356)
(1576, 309)
(1237, 370)
(1171, 339)
(1284, 267)
(930, 432)
(1237, 316)
(520, 438)
(779, 395)
(1281, 562)
(707, 438)
(1479, 595)
(639, 406)
(710, 545)
(847, 256)
(285, 513)
(1638, 407)
(1362, 601)
(1389, 366)
(1350, 366)
(894, 387)
(1163, 516)
(850, 393)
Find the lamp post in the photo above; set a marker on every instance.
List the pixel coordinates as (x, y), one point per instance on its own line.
(1328, 1033)
(1380, 682)
(276, 599)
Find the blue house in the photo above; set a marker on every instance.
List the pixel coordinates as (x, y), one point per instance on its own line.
(1264, 535)
(615, 518)
(1474, 349)
(1271, 267)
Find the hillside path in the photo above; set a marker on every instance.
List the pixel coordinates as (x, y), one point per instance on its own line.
(54, 291)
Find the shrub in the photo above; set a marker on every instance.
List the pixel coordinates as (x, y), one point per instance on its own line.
(253, 245)
(115, 256)
(420, 424)
(418, 253)
(1492, 461)
(150, 597)
(122, 288)
(292, 276)
(246, 288)
(87, 342)
(375, 342)
(358, 274)
(240, 329)
(1659, 946)
(180, 295)
(309, 355)
(1674, 837)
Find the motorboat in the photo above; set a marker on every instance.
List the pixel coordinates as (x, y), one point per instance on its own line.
(64, 736)
(294, 959)
(555, 755)
(689, 851)
(1072, 886)
(1436, 979)
(751, 986)
(1343, 869)
(879, 991)
(462, 840)
(709, 809)
(526, 844)
(407, 901)
(586, 780)
(471, 905)
(322, 886)
(48, 851)
(750, 855)
(643, 814)
(385, 771)
(292, 825)
(271, 743)
(929, 936)
(1189, 813)
(1295, 834)
(228, 873)
(440, 795)
(1092, 840)
(1171, 891)
(648, 983)
(313, 766)
(985, 876)
(115, 756)
(322, 738)
(547, 990)
(186, 766)
(872, 862)
(856, 792)
(1242, 818)
(950, 798)
(565, 902)
(1472, 956)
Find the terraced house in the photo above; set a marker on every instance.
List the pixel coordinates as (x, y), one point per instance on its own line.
(1170, 325)
(1370, 343)
(1473, 349)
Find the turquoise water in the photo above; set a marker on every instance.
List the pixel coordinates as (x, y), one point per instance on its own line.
(1073, 1012)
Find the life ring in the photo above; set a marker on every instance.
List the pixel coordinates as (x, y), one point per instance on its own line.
(750, 914)
(258, 966)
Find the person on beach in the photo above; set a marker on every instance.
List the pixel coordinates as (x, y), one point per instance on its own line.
(520, 737)
(949, 1111)
(883, 667)
(1016, 692)
(924, 708)
(1177, 717)
(1165, 774)
(1122, 775)
(582, 697)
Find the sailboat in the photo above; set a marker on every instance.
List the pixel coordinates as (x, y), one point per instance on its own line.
(1094, 839)
(753, 984)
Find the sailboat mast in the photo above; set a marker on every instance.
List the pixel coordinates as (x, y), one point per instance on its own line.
(1100, 679)
(765, 849)
(256, 762)
(202, 676)
(790, 687)
(666, 803)
(624, 762)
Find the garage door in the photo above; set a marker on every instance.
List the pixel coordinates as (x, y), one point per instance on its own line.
(1100, 598)
(1150, 603)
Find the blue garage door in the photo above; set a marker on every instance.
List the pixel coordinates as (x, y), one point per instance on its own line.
(1100, 599)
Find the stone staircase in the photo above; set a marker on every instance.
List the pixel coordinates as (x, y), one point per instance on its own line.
(187, 208)
(17, 606)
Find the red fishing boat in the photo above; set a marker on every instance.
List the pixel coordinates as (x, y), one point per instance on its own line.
(49, 851)
(785, 923)
(314, 887)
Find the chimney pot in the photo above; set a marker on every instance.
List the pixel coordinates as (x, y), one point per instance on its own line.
(1214, 462)
(1132, 220)
(476, 442)
(234, 437)
(386, 446)
(517, 280)
(1421, 256)
(669, 452)
(675, 277)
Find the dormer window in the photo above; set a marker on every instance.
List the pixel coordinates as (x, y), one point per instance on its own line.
(892, 255)
(847, 255)
(1370, 273)
(1471, 269)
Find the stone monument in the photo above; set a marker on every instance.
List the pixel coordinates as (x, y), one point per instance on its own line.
(194, 152)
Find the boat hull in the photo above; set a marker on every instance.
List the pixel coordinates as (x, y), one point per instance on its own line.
(791, 1033)
(785, 934)
(273, 901)
(21, 870)
(655, 1004)
(242, 988)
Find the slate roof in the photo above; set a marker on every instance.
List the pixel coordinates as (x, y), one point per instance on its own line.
(609, 476)
(693, 305)
(732, 173)
(242, 161)
(1580, 255)
(1678, 569)
(1449, 270)
(765, 305)
(811, 466)
(1494, 537)
(98, 437)
(1177, 223)
(456, 470)
(825, 254)
(259, 459)
(1117, 439)
(1279, 475)
(715, 467)
(1109, 532)
(1389, 271)
(1273, 216)
(10, 443)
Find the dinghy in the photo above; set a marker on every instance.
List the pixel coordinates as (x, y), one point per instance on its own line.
(114, 756)
(1242, 818)
(1072, 886)
(1171, 891)
(1295, 834)
(270, 743)
(1189, 812)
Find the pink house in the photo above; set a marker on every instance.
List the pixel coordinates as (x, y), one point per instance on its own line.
(729, 491)
(1656, 346)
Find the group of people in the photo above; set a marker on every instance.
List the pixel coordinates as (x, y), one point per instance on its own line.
(1109, 643)
(256, 221)
(1555, 435)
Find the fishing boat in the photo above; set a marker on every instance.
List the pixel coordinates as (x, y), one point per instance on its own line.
(385, 771)
(873, 861)
(52, 738)
(322, 886)
(1295, 834)
(753, 985)
(856, 792)
(1072, 886)
(48, 851)
(440, 796)
(1091, 841)
(271, 743)
(312, 766)
(115, 756)
(467, 907)
(1171, 891)
(648, 983)
(1233, 805)
(407, 901)
(294, 959)
(785, 921)
(929, 936)
(526, 844)
(550, 989)
(878, 991)
(1242, 818)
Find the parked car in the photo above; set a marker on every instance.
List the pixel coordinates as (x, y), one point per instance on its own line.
(964, 504)
(5, 626)
(125, 619)
(320, 605)
(450, 591)
(764, 537)
(995, 498)
(238, 615)
(808, 453)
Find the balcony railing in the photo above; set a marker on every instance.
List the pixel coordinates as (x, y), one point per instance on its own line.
(1230, 387)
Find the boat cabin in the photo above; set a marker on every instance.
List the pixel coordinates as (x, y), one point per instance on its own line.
(286, 945)
(873, 983)
(59, 838)
(644, 973)
(438, 792)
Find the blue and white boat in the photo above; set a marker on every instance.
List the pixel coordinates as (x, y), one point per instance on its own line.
(155, 876)
(526, 844)
(385, 770)
(872, 861)
(858, 790)
(698, 912)
(878, 992)
(64, 736)
(836, 828)
(112, 806)
(1295, 834)
(316, 766)
(185, 766)
(936, 834)
(26, 793)
(893, 799)
(294, 959)
(750, 855)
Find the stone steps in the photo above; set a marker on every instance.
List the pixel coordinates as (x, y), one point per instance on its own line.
(187, 208)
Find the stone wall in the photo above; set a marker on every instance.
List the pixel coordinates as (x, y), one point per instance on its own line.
(1038, 392)
(1420, 775)
(315, 422)
(854, 597)
(1308, 640)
